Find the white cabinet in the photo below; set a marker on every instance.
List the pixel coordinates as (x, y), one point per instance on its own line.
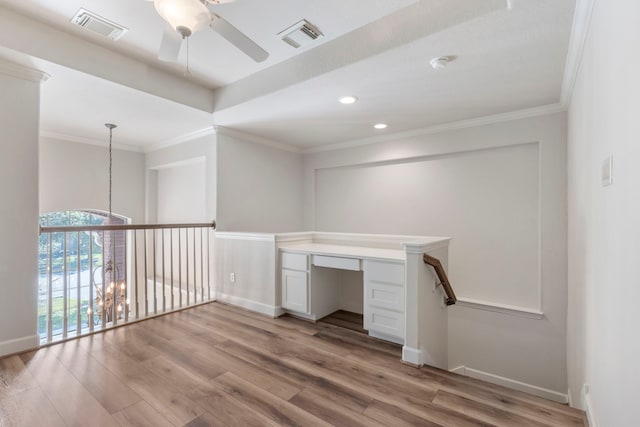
(384, 299)
(295, 291)
(311, 289)
(295, 282)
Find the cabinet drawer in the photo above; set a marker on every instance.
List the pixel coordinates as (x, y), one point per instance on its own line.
(387, 272)
(384, 295)
(292, 261)
(336, 262)
(386, 322)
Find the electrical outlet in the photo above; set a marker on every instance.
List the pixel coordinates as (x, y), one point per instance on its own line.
(232, 277)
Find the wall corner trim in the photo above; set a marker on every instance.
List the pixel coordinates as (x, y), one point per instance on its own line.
(221, 130)
(89, 141)
(510, 383)
(19, 345)
(542, 110)
(21, 72)
(420, 248)
(579, 32)
(180, 139)
(500, 308)
(232, 235)
(588, 407)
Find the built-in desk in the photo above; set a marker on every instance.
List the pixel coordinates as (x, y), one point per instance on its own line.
(400, 300)
(311, 284)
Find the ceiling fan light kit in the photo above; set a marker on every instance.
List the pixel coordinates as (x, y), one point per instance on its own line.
(185, 16)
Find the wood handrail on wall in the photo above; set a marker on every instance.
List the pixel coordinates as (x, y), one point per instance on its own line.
(442, 277)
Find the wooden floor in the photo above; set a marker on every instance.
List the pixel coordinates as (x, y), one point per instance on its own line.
(218, 365)
(345, 319)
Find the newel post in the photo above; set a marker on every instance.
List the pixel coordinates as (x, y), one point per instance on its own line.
(426, 325)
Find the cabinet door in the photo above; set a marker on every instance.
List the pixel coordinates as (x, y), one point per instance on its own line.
(295, 291)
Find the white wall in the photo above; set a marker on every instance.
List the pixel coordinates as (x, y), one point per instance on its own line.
(259, 187)
(499, 192)
(252, 259)
(604, 222)
(182, 193)
(76, 176)
(181, 188)
(487, 200)
(19, 121)
(184, 175)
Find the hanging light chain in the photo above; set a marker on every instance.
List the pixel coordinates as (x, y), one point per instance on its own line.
(187, 71)
(111, 127)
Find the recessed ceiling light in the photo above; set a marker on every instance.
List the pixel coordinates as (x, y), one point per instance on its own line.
(347, 99)
(439, 63)
(380, 126)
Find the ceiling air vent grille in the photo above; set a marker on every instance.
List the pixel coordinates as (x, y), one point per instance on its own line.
(300, 34)
(98, 24)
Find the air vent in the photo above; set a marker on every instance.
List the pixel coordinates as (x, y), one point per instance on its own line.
(300, 34)
(98, 24)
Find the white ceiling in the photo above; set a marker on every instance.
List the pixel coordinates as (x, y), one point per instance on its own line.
(77, 105)
(504, 61)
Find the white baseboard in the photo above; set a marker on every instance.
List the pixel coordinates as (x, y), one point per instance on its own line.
(412, 355)
(258, 307)
(514, 384)
(19, 345)
(588, 407)
(570, 398)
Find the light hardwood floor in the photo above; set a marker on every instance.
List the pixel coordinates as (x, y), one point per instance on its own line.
(218, 365)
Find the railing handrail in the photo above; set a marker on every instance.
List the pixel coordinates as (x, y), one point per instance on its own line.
(95, 277)
(442, 277)
(118, 227)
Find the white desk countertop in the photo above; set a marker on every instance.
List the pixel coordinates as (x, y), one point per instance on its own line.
(346, 251)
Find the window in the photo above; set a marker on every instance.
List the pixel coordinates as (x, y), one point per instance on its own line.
(76, 264)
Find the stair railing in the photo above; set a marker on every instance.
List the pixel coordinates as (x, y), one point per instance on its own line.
(442, 277)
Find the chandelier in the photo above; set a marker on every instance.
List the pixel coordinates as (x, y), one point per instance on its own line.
(111, 299)
(114, 300)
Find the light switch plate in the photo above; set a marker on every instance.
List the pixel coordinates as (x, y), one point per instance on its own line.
(607, 171)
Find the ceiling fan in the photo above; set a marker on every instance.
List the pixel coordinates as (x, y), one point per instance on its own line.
(185, 17)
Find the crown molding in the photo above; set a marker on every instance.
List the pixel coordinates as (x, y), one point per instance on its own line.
(21, 72)
(256, 139)
(579, 32)
(201, 133)
(446, 127)
(186, 162)
(90, 141)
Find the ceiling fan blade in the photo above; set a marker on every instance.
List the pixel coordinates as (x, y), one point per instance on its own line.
(238, 38)
(170, 45)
